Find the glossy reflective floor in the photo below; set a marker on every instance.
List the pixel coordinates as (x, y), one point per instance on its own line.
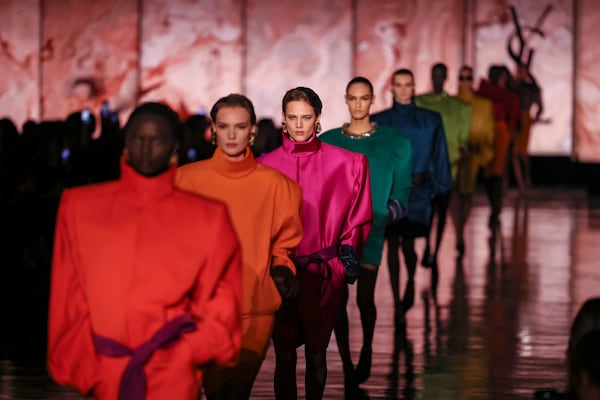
(491, 329)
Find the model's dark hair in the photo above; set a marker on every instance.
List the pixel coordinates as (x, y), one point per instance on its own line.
(403, 71)
(234, 100)
(360, 79)
(157, 110)
(302, 93)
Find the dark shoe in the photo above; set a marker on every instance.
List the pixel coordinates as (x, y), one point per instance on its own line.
(426, 261)
(363, 369)
(409, 295)
(460, 248)
(399, 318)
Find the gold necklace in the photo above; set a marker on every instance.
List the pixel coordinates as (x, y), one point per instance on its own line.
(359, 135)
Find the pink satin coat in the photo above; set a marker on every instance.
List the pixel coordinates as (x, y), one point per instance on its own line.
(336, 210)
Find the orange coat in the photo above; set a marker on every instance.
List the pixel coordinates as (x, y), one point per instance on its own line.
(130, 256)
(265, 209)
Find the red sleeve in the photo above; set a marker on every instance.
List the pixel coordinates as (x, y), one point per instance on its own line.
(216, 298)
(71, 354)
(360, 214)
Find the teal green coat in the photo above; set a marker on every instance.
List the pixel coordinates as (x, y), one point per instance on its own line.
(389, 155)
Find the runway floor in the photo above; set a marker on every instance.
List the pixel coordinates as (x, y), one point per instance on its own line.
(492, 329)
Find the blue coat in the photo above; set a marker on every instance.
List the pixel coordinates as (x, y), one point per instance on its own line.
(425, 131)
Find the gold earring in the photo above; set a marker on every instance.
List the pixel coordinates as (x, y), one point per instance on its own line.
(174, 159)
(251, 141)
(284, 127)
(318, 127)
(213, 138)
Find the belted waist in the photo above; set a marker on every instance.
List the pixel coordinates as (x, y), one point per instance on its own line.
(320, 258)
(133, 381)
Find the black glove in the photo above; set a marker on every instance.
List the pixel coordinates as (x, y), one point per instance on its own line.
(349, 258)
(285, 281)
(395, 211)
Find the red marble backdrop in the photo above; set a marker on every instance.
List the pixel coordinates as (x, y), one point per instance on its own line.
(552, 64)
(191, 52)
(291, 45)
(587, 83)
(90, 53)
(19, 60)
(392, 34)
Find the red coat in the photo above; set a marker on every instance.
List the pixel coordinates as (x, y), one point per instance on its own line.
(130, 256)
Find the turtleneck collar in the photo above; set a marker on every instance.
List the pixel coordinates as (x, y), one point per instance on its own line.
(233, 169)
(466, 95)
(147, 189)
(404, 107)
(308, 147)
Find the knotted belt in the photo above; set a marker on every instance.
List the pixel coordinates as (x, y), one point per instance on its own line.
(321, 258)
(133, 381)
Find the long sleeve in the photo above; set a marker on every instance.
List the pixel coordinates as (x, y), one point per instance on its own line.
(487, 125)
(465, 128)
(402, 174)
(360, 214)
(288, 226)
(440, 168)
(72, 358)
(216, 299)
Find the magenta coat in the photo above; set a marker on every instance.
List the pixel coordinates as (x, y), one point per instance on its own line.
(336, 210)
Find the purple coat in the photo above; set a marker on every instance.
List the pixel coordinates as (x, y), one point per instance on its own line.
(336, 210)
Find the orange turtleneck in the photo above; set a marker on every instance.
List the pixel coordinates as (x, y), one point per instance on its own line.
(264, 206)
(126, 261)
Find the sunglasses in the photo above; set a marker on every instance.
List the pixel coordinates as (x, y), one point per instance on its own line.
(465, 78)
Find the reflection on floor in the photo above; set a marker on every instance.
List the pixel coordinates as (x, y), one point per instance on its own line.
(493, 329)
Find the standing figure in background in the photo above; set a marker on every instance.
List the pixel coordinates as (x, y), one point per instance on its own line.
(264, 206)
(506, 116)
(456, 116)
(195, 140)
(530, 96)
(480, 153)
(389, 156)
(336, 214)
(430, 169)
(137, 306)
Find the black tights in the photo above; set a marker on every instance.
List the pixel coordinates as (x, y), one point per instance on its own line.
(285, 375)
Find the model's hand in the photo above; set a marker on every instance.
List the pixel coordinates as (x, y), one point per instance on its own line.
(285, 282)
(349, 258)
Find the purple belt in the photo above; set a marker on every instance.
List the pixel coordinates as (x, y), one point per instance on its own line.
(133, 381)
(320, 258)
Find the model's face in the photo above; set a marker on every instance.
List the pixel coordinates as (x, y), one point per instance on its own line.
(300, 120)
(359, 100)
(438, 77)
(403, 88)
(150, 144)
(234, 129)
(465, 81)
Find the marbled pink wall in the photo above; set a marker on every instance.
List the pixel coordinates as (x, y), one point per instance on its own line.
(291, 44)
(552, 63)
(19, 60)
(392, 34)
(191, 52)
(89, 40)
(587, 86)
